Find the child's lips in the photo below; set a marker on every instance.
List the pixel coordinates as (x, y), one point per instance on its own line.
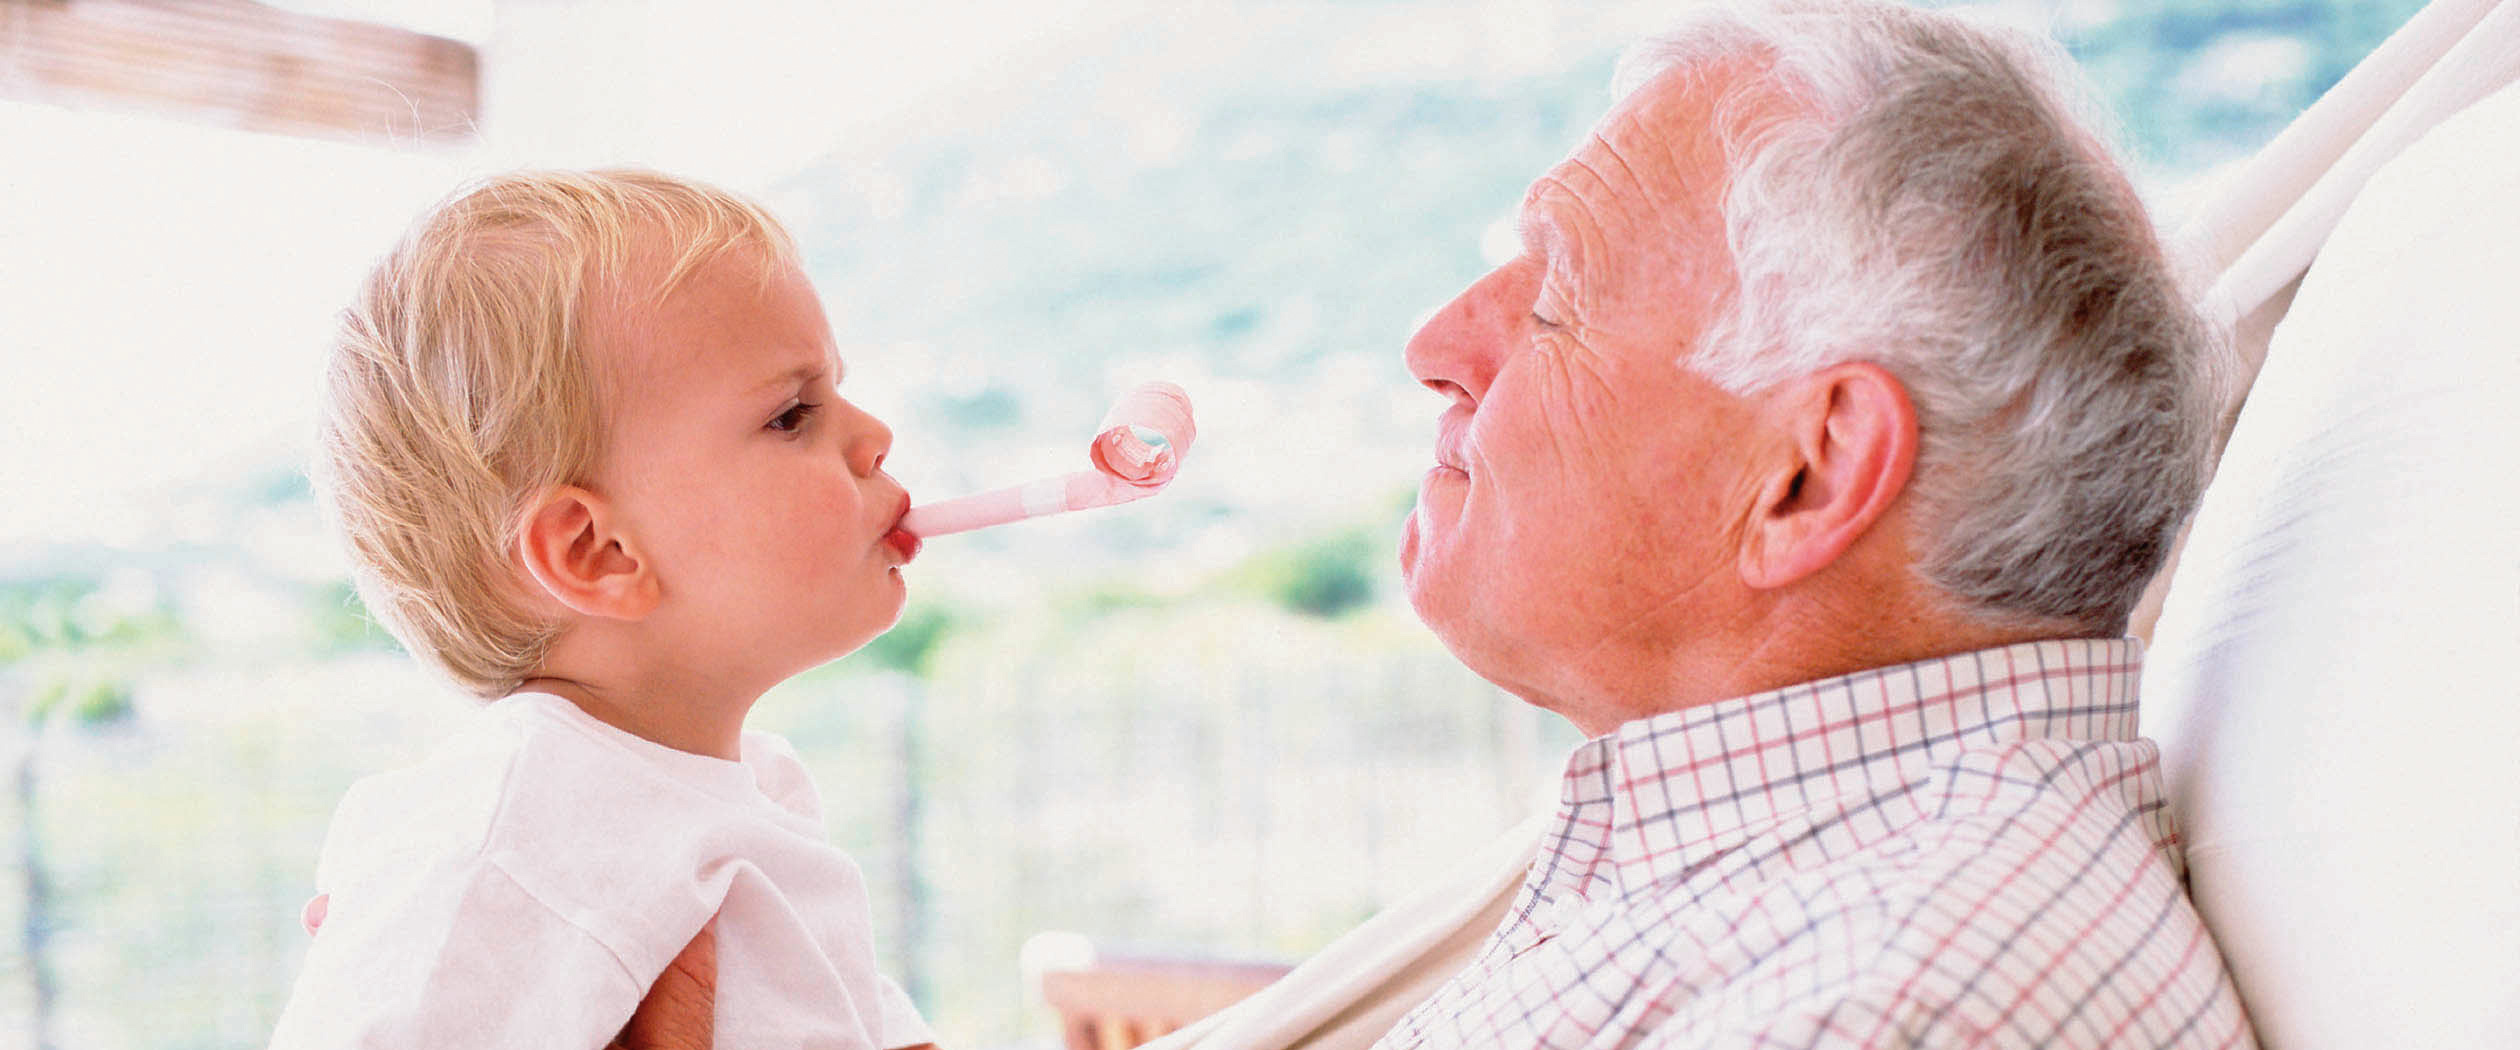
(902, 543)
(900, 539)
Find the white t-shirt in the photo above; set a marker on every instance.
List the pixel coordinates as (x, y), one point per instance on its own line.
(524, 885)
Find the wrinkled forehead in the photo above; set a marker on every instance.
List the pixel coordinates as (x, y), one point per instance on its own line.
(1661, 148)
(1658, 144)
(1644, 189)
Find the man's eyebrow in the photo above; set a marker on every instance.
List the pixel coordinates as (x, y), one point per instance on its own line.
(1529, 224)
(1528, 217)
(1536, 223)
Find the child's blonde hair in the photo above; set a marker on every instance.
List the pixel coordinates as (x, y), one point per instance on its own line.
(459, 389)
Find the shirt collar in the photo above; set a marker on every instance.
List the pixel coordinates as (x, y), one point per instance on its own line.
(1662, 796)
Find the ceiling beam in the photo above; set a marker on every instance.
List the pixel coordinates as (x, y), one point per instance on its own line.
(240, 64)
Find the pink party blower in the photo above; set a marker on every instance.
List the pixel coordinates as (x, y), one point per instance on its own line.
(1137, 450)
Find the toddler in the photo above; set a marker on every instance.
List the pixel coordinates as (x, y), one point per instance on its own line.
(583, 437)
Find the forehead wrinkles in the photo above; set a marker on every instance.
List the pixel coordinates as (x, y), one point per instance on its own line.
(1560, 222)
(1619, 205)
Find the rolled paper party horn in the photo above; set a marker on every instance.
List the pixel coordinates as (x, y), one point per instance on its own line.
(1136, 451)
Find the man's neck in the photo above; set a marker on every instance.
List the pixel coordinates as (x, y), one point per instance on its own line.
(1807, 635)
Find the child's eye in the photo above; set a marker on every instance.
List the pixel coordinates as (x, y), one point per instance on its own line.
(794, 418)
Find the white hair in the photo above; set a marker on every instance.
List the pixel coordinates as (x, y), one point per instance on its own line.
(1934, 198)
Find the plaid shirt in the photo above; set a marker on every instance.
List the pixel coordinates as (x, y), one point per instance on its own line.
(1964, 851)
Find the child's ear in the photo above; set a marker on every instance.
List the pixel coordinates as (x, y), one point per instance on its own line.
(573, 548)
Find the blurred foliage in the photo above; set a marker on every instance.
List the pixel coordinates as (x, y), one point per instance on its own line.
(101, 703)
(65, 613)
(1102, 598)
(339, 621)
(88, 703)
(75, 645)
(1324, 577)
(912, 643)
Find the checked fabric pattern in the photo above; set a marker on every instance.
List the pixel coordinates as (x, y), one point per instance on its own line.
(1959, 852)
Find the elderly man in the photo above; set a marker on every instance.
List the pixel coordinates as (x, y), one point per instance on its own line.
(1810, 456)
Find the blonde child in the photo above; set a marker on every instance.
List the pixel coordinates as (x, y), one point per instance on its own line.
(583, 438)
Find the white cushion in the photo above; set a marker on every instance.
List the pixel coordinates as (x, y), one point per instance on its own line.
(2333, 678)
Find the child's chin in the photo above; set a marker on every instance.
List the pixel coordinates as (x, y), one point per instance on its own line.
(844, 646)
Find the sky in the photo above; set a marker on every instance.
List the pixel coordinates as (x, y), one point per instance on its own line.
(166, 287)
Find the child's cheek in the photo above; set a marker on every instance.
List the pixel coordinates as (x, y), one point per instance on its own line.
(826, 514)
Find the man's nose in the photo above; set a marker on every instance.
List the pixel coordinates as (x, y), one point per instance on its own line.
(1459, 350)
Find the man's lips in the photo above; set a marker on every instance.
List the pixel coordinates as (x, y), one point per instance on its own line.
(1448, 450)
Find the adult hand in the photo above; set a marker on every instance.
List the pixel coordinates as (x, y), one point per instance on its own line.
(678, 1011)
(681, 1005)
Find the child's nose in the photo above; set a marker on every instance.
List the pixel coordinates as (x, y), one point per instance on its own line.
(869, 442)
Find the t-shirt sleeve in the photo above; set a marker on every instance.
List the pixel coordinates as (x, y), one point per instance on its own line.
(902, 1024)
(448, 963)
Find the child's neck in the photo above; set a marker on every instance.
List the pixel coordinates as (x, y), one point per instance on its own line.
(637, 684)
(682, 720)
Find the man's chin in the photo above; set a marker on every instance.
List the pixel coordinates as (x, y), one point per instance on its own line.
(1408, 547)
(1422, 567)
(1433, 517)
(1419, 583)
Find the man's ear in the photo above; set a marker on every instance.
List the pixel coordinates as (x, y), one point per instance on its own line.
(572, 547)
(1851, 443)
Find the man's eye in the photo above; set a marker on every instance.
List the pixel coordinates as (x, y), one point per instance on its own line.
(1542, 321)
(794, 418)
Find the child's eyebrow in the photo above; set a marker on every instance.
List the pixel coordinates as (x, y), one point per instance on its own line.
(796, 376)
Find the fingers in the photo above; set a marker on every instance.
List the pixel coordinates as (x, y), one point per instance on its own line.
(313, 916)
(682, 1005)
